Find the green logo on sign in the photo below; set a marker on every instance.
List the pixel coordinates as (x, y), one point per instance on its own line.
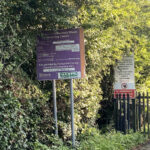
(68, 75)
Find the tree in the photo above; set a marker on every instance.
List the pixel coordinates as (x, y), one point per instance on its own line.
(111, 29)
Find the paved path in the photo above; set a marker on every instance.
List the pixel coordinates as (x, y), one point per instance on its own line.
(145, 147)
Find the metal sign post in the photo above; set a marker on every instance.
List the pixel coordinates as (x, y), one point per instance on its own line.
(55, 107)
(60, 55)
(72, 112)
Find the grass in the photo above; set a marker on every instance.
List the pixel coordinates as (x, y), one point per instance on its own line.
(111, 141)
(94, 140)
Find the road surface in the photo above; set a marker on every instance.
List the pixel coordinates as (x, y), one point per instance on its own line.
(145, 147)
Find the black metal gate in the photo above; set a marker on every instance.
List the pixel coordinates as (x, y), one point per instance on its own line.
(132, 113)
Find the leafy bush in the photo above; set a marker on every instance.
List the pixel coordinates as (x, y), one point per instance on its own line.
(13, 124)
(22, 123)
(21, 130)
(111, 29)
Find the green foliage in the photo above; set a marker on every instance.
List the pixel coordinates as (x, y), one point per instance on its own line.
(92, 139)
(25, 124)
(57, 144)
(13, 124)
(110, 141)
(111, 29)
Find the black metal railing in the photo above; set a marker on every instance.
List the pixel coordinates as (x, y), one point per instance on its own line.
(132, 113)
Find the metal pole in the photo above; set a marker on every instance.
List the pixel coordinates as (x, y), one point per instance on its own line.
(139, 111)
(128, 111)
(125, 113)
(117, 112)
(134, 114)
(55, 107)
(148, 113)
(144, 111)
(120, 113)
(72, 112)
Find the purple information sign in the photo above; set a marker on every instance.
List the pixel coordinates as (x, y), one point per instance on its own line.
(60, 55)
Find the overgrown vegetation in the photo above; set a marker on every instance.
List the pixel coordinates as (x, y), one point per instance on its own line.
(111, 29)
(92, 139)
(110, 141)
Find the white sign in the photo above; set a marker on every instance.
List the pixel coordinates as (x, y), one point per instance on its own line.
(124, 74)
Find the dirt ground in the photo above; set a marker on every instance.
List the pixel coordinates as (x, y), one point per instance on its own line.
(145, 146)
